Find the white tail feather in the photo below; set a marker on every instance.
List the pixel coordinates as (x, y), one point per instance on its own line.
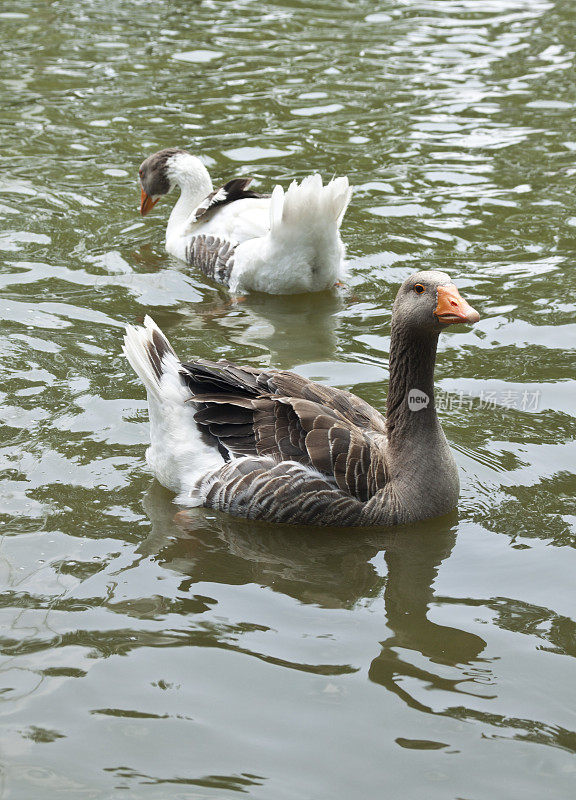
(276, 206)
(145, 349)
(303, 251)
(308, 204)
(177, 455)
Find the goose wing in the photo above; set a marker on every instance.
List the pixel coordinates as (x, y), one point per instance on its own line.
(213, 255)
(236, 189)
(262, 488)
(283, 417)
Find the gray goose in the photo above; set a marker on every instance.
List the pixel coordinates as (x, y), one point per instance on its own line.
(269, 444)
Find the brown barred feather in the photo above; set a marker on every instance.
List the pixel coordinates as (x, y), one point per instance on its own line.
(214, 256)
(312, 453)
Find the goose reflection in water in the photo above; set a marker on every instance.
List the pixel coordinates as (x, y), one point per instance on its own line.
(306, 324)
(333, 570)
(413, 560)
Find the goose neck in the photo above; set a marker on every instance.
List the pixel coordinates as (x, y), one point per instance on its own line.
(411, 408)
(193, 180)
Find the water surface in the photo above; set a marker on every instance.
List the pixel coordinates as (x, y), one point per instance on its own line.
(144, 659)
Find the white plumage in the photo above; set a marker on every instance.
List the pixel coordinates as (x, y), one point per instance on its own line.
(177, 455)
(302, 250)
(283, 244)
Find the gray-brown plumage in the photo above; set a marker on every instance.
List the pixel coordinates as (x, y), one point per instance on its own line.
(284, 417)
(152, 172)
(214, 256)
(287, 449)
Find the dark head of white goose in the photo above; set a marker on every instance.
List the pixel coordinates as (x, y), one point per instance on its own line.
(429, 301)
(155, 177)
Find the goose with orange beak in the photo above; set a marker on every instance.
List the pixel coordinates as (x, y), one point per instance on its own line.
(283, 243)
(269, 444)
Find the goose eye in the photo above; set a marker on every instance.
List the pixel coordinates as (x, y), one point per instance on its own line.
(419, 288)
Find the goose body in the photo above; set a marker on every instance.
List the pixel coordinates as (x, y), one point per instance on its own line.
(285, 243)
(268, 444)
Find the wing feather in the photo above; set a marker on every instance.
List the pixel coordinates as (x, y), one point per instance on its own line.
(235, 189)
(286, 492)
(214, 256)
(284, 418)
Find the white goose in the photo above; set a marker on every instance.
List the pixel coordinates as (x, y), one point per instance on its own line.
(284, 243)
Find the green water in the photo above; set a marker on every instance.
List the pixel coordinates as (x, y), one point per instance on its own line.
(143, 660)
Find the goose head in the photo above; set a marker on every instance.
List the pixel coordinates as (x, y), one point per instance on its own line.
(160, 172)
(429, 301)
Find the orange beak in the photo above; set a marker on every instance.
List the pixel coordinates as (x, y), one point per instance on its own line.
(146, 203)
(452, 308)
